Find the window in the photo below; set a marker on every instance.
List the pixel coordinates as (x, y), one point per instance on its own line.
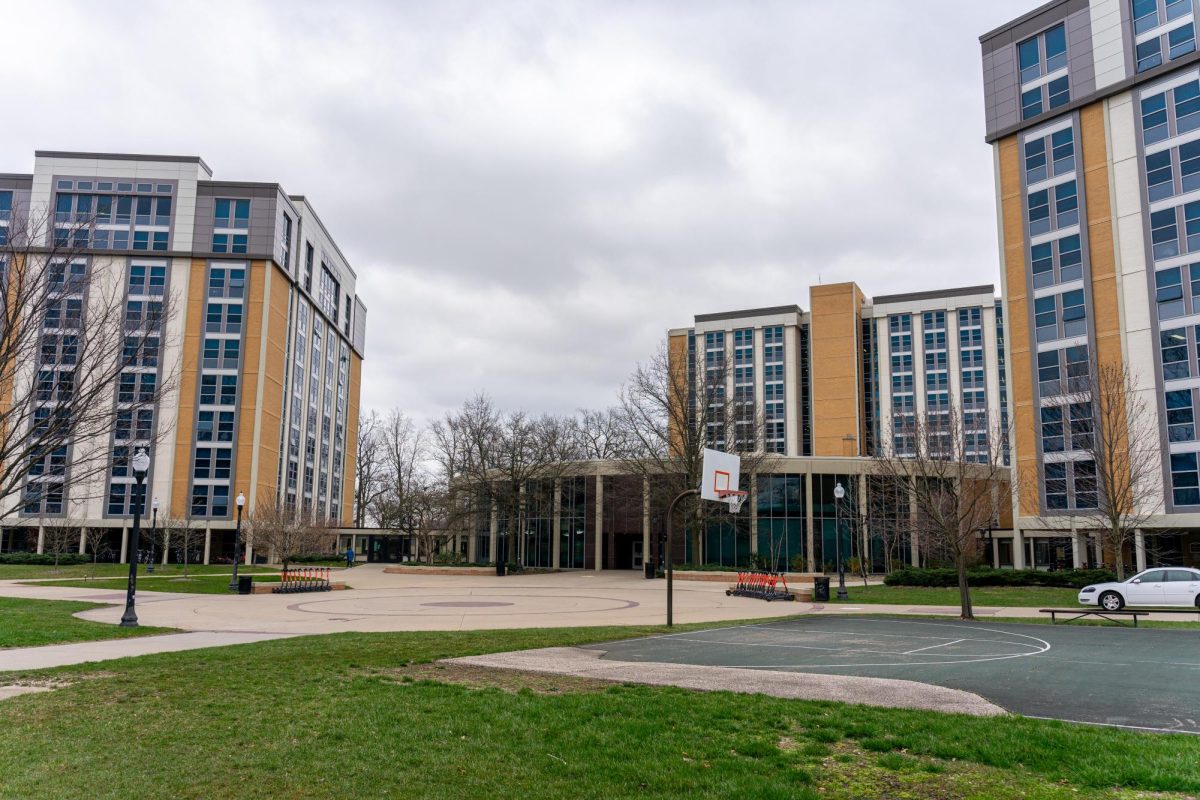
(229, 213)
(1039, 212)
(224, 282)
(308, 266)
(1044, 54)
(1081, 426)
(1149, 54)
(1164, 235)
(1180, 418)
(1029, 60)
(1174, 352)
(1056, 486)
(1189, 165)
(1070, 259)
(1145, 15)
(1187, 104)
(1042, 258)
(1154, 118)
(1159, 180)
(1181, 41)
(5, 206)
(1063, 152)
(1052, 429)
(1045, 316)
(1185, 481)
(1066, 205)
(1058, 92)
(1031, 103)
(1048, 374)
(1074, 318)
(1168, 293)
(1035, 161)
(287, 242)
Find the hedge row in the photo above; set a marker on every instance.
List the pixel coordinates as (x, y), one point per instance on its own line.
(43, 558)
(1071, 578)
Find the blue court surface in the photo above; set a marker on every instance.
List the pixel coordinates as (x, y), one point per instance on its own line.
(1142, 678)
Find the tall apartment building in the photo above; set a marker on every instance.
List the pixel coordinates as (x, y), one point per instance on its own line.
(847, 377)
(1093, 113)
(265, 342)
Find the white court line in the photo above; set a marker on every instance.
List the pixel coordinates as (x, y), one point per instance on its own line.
(856, 651)
(1116, 725)
(930, 647)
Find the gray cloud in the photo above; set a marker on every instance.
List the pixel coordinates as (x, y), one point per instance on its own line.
(532, 192)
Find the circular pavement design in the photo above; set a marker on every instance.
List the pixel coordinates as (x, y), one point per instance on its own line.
(482, 603)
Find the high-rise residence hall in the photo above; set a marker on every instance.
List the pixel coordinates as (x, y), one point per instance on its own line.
(1093, 113)
(263, 344)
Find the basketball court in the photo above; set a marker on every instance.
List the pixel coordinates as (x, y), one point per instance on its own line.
(1146, 679)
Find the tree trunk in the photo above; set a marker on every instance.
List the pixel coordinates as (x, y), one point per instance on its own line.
(1118, 560)
(964, 591)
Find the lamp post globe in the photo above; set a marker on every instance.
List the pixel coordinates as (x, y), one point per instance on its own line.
(141, 465)
(237, 537)
(153, 533)
(839, 492)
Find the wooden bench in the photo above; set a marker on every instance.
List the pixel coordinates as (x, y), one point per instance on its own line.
(1080, 613)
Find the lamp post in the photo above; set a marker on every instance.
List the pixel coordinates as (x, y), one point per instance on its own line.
(141, 465)
(237, 538)
(153, 532)
(839, 492)
(670, 571)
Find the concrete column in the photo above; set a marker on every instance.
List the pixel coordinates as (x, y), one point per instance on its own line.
(808, 524)
(124, 545)
(645, 521)
(599, 511)
(207, 544)
(41, 545)
(1098, 547)
(995, 553)
(83, 541)
(248, 556)
(1018, 548)
(753, 500)
(494, 533)
(1139, 549)
(1078, 549)
(556, 526)
(864, 550)
(472, 543)
(166, 547)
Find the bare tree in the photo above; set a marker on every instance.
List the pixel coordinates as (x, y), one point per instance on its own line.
(286, 533)
(369, 469)
(59, 538)
(69, 346)
(956, 484)
(669, 416)
(1107, 488)
(599, 434)
(179, 532)
(96, 542)
(489, 458)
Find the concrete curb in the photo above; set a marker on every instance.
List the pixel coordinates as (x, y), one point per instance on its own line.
(885, 692)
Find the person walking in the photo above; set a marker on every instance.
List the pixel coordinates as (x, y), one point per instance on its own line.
(349, 557)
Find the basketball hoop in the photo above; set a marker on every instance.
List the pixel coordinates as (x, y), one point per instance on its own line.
(734, 498)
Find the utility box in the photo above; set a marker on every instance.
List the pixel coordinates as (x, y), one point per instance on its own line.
(245, 582)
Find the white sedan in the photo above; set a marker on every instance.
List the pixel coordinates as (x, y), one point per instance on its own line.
(1176, 586)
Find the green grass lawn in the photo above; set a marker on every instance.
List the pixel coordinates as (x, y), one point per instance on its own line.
(1032, 596)
(366, 715)
(199, 584)
(32, 623)
(30, 571)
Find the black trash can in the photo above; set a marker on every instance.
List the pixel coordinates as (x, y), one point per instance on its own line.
(500, 569)
(244, 582)
(650, 570)
(820, 589)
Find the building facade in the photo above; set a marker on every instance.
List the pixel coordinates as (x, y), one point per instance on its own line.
(1093, 114)
(263, 345)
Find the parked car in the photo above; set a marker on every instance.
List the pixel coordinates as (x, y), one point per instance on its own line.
(1174, 586)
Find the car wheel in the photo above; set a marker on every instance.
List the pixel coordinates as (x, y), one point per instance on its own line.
(1111, 601)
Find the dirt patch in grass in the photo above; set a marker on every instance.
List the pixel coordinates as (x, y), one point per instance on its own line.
(511, 681)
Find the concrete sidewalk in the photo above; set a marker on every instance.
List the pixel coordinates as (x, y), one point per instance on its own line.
(59, 655)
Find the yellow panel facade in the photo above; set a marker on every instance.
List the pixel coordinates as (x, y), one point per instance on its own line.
(193, 326)
(835, 329)
(352, 407)
(252, 368)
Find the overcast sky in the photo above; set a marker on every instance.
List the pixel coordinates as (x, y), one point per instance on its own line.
(532, 193)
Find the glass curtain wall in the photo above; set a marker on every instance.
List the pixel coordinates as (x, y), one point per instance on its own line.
(780, 522)
(573, 523)
(825, 519)
(538, 533)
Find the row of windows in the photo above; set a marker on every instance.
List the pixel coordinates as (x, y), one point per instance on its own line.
(1071, 363)
(147, 280)
(1065, 205)
(1040, 165)
(1185, 479)
(1164, 230)
(1059, 261)
(1043, 54)
(1149, 14)
(1060, 316)
(1164, 179)
(105, 209)
(1177, 291)
(101, 239)
(1068, 427)
(1163, 118)
(1175, 43)
(1071, 484)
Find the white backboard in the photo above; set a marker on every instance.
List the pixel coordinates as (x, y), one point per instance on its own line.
(720, 473)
